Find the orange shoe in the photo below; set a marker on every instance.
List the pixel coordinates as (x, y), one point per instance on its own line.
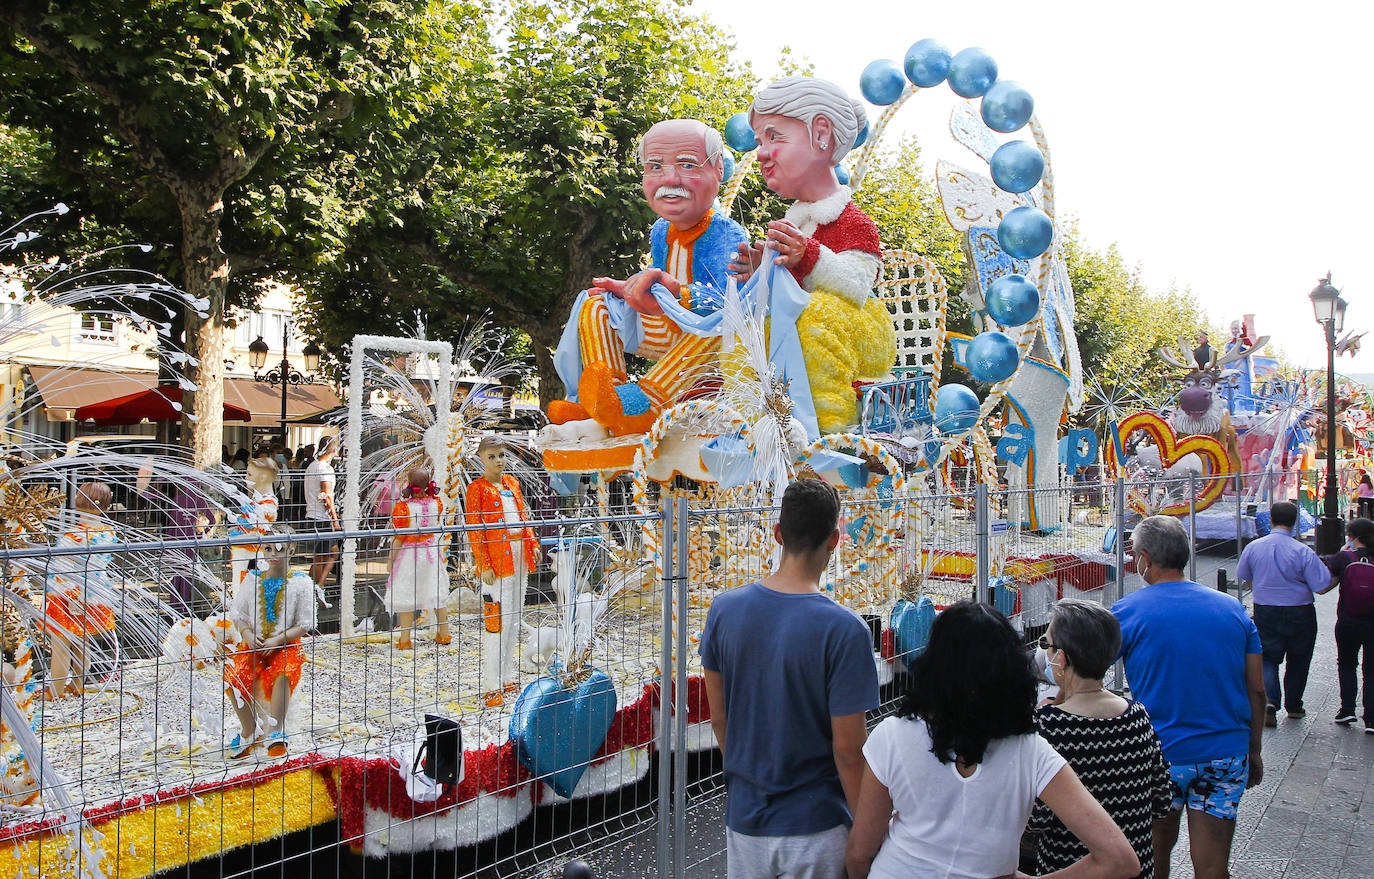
(622, 409)
(563, 411)
(405, 644)
(443, 640)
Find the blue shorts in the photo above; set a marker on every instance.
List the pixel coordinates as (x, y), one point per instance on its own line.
(1213, 788)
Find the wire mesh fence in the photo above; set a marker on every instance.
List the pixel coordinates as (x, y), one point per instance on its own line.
(516, 690)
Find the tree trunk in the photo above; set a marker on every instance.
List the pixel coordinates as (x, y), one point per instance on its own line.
(543, 339)
(207, 279)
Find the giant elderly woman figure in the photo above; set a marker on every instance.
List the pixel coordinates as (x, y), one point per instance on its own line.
(804, 127)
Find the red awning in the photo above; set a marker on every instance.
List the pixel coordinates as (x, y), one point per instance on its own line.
(162, 403)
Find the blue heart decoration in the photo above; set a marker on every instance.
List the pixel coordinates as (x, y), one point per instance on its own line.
(911, 622)
(557, 731)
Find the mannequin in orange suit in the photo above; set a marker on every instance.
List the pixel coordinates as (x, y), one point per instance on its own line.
(504, 554)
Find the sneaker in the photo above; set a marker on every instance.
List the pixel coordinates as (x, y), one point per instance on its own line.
(239, 747)
(1344, 717)
(1271, 716)
(276, 744)
(1297, 712)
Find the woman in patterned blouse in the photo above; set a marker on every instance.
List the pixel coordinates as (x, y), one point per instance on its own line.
(1106, 739)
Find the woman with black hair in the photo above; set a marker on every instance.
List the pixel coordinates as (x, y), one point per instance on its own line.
(951, 780)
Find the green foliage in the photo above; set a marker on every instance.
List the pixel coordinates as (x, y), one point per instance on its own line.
(544, 192)
(1120, 323)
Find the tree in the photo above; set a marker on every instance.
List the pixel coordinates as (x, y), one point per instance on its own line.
(546, 192)
(1120, 322)
(267, 123)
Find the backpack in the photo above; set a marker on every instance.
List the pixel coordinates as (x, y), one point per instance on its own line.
(1357, 586)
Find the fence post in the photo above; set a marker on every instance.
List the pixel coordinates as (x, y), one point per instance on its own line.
(983, 528)
(668, 559)
(1192, 525)
(681, 570)
(1240, 522)
(1119, 589)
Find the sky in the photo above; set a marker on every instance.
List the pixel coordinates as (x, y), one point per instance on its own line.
(1218, 144)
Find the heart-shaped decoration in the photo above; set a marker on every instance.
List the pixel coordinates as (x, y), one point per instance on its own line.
(1172, 450)
(911, 622)
(557, 731)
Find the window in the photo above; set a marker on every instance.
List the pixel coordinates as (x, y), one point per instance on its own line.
(97, 327)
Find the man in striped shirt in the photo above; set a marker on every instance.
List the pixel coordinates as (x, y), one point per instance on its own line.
(691, 247)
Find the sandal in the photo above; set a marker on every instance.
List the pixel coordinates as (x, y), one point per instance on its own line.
(405, 644)
(276, 744)
(443, 640)
(238, 747)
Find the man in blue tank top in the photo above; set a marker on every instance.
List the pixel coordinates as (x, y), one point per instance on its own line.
(789, 675)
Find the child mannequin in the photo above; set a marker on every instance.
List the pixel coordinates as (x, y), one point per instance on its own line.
(256, 516)
(418, 579)
(78, 592)
(272, 611)
(504, 557)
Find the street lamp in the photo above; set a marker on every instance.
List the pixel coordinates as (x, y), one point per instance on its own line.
(1329, 308)
(283, 374)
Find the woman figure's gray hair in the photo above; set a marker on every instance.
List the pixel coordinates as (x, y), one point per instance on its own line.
(1164, 540)
(806, 97)
(1089, 635)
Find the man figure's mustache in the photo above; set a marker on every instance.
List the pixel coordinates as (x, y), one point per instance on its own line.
(667, 191)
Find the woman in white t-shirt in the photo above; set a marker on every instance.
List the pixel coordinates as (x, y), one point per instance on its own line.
(951, 780)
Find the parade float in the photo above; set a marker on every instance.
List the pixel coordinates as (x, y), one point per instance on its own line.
(646, 496)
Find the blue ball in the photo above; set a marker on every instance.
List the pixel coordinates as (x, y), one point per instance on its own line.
(992, 357)
(956, 409)
(863, 136)
(841, 175)
(739, 134)
(972, 72)
(927, 63)
(1007, 106)
(1025, 233)
(882, 82)
(1017, 166)
(727, 167)
(1013, 300)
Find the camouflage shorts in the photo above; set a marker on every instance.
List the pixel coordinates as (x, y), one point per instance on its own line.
(1213, 788)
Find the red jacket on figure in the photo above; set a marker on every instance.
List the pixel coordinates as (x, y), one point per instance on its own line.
(491, 546)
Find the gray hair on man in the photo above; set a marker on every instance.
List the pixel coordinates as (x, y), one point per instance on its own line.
(1164, 540)
(806, 97)
(1089, 635)
(711, 140)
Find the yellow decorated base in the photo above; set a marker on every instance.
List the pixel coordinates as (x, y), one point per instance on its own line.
(155, 838)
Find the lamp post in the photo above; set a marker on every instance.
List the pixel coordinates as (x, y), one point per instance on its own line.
(1329, 308)
(283, 373)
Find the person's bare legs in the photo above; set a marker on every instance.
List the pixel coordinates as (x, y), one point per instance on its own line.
(406, 622)
(245, 708)
(323, 566)
(281, 700)
(1164, 833)
(1209, 844)
(442, 613)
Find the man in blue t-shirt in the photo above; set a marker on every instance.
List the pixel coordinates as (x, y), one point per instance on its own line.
(789, 675)
(1193, 660)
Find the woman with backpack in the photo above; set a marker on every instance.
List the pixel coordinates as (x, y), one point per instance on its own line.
(1353, 570)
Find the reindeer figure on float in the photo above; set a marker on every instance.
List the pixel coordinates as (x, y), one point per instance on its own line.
(1202, 409)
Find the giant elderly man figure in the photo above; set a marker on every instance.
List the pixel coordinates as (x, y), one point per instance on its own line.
(691, 247)
(804, 127)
